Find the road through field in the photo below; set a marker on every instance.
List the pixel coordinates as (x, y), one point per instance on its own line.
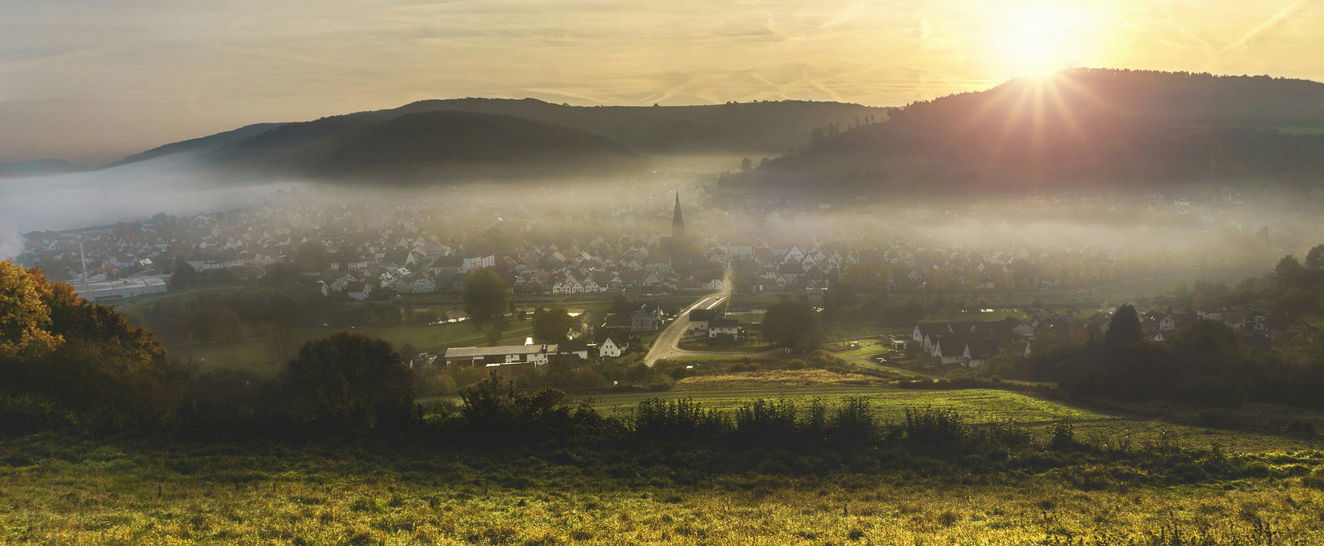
(667, 344)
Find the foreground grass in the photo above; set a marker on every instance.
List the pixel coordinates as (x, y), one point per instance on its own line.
(59, 490)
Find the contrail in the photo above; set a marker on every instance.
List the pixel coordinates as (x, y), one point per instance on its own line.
(1268, 24)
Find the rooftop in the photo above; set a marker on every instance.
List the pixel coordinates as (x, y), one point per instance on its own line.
(474, 352)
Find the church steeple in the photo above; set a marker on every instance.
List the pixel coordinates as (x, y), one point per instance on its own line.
(677, 221)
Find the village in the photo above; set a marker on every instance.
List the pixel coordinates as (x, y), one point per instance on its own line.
(351, 253)
(366, 251)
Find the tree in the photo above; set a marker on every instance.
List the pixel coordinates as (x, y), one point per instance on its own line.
(1124, 328)
(25, 319)
(902, 314)
(1315, 258)
(107, 373)
(348, 382)
(745, 164)
(1289, 273)
(793, 325)
(486, 296)
(182, 274)
(552, 325)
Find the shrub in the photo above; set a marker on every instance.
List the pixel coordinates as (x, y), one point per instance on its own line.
(21, 415)
(677, 420)
(852, 422)
(1064, 436)
(934, 427)
(765, 421)
(1008, 434)
(227, 402)
(495, 411)
(348, 383)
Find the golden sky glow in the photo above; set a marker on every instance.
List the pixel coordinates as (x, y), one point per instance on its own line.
(93, 80)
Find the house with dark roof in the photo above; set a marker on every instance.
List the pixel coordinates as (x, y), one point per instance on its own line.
(646, 318)
(723, 327)
(978, 351)
(699, 319)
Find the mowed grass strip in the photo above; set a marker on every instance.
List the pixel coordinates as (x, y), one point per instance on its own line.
(977, 405)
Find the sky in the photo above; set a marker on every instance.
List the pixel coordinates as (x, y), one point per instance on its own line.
(91, 81)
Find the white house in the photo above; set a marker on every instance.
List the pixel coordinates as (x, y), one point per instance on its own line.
(422, 285)
(719, 327)
(480, 262)
(610, 349)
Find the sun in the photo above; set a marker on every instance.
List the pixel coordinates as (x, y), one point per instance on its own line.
(1038, 39)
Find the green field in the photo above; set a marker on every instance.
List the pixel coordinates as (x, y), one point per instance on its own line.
(978, 406)
(64, 490)
(1135, 479)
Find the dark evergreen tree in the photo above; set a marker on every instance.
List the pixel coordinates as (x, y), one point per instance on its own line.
(1124, 328)
(552, 325)
(793, 325)
(1315, 258)
(486, 296)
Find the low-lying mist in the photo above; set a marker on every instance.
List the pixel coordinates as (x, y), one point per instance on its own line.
(1152, 232)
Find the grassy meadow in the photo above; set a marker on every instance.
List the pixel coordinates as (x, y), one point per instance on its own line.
(1130, 475)
(60, 490)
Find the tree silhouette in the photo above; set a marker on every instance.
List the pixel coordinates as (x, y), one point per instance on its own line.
(1124, 328)
(793, 325)
(1315, 258)
(486, 296)
(348, 382)
(551, 325)
(1289, 272)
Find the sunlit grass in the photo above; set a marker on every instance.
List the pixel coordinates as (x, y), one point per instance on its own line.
(62, 492)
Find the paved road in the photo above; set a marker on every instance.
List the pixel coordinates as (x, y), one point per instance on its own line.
(667, 344)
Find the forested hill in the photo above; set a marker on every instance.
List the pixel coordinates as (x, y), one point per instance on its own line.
(1081, 128)
(204, 145)
(753, 127)
(766, 128)
(425, 147)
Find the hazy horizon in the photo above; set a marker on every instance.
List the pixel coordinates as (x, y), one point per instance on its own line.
(92, 83)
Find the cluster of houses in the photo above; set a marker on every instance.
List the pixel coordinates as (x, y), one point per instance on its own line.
(509, 360)
(712, 323)
(365, 250)
(608, 339)
(971, 343)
